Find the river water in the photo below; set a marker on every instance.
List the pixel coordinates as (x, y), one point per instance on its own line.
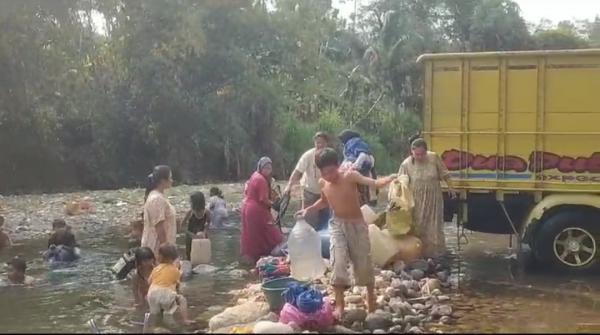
(491, 295)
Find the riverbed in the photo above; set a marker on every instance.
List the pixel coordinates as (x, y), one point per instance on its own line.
(491, 295)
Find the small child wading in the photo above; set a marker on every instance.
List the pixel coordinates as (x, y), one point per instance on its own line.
(218, 209)
(163, 294)
(349, 232)
(196, 221)
(144, 264)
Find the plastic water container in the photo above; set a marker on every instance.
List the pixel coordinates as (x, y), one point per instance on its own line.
(304, 248)
(368, 214)
(201, 251)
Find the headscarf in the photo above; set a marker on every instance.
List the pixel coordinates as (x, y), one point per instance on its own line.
(262, 162)
(347, 134)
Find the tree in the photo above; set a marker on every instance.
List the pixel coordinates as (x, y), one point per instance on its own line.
(498, 25)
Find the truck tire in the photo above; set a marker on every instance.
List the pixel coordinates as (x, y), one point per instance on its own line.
(568, 241)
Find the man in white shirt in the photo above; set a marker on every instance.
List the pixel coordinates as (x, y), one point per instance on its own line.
(307, 173)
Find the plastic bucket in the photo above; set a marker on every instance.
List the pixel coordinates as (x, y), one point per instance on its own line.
(273, 290)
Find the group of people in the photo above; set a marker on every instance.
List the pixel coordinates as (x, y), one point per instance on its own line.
(332, 191)
(339, 190)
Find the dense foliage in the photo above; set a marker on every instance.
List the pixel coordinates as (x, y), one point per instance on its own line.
(96, 92)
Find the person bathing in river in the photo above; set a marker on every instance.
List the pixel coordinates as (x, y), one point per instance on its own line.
(144, 264)
(160, 223)
(17, 273)
(5, 241)
(358, 156)
(62, 246)
(196, 221)
(307, 173)
(163, 295)
(259, 235)
(349, 232)
(218, 209)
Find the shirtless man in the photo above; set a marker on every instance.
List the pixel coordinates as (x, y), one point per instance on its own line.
(349, 232)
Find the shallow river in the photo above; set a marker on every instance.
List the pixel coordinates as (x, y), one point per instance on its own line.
(492, 296)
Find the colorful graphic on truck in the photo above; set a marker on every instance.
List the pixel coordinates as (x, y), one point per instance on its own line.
(579, 169)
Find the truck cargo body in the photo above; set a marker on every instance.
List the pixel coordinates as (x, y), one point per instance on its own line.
(520, 134)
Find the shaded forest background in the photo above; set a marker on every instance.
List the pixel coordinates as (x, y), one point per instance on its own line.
(208, 86)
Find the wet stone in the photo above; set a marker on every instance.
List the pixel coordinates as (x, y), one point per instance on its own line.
(379, 331)
(417, 274)
(379, 320)
(354, 315)
(415, 330)
(445, 320)
(441, 310)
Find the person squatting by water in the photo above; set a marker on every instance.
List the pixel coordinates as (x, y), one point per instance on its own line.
(218, 209)
(196, 221)
(349, 231)
(163, 294)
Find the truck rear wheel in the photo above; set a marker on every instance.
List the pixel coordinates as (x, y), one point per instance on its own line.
(569, 241)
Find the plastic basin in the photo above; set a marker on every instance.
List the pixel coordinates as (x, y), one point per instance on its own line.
(273, 290)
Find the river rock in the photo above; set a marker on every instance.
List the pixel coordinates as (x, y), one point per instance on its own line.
(354, 315)
(442, 275)
(412, 293)
(418, 307)
(380, 283)
(417, 274)
(419, 264)
(412, 320)
(241, 314)
(396, 330)
(436, 292)
(343, 330)
(398, 321)
(354, 299)
(357, 326)
(387, 275)
(431, 285)
(441, 310)
(445, 320)
(398, 266)
(379, 320)
(400, 307)
(443, 298)
(268, 327)
(239, 273)
(415, 330)
(204, 269)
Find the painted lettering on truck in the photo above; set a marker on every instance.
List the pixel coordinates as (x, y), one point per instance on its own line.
(456, 160)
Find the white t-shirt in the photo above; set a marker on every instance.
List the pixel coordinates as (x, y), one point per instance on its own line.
(310, 173)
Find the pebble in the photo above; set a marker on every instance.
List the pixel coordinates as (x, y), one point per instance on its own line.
(412, 320)
(352, 316)
(354, 299)
(441, 310)
(431, 285)
(415, 330)
(445, 320)
(379, 320)
(396, 330)
(417, 274)
(343, 330)
(443, 298)
(398, 321)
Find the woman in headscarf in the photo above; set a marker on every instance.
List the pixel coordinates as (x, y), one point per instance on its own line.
(259, 235)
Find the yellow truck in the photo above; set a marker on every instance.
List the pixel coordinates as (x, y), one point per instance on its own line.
(520, 134)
